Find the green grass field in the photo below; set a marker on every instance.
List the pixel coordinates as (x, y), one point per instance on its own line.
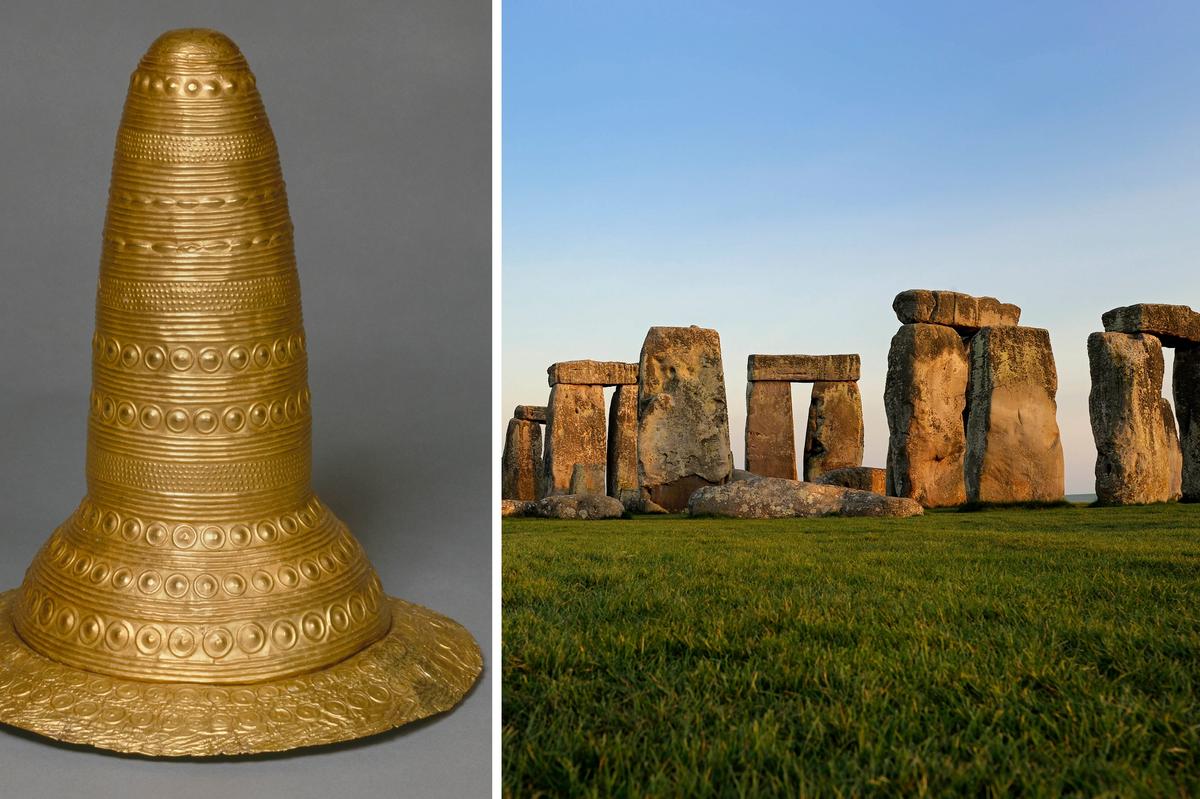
(998, 653)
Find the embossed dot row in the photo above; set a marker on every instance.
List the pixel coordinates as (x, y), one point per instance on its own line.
(184, 86)
(90, 630)
(281, 352)
(210, 536)
(151, 582)
(233, 419)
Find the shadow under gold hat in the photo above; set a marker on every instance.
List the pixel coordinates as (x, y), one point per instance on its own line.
(201, 600)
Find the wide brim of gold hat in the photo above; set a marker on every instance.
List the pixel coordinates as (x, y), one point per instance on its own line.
(424, 666)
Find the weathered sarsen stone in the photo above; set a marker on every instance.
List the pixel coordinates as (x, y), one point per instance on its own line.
(802, 368)
(683, 415)
(1132, 452)
(622, 445)
(925, 400)
(1185, 386)
(964, 313)
(770, 430)
(514, 507)
(575, 432)
(834, 439)
(775, 498)
(575, 506)
(521, 465)
(1014, 453)
(530, 413)
(864, 478)
(593, 373)
(1173, 325)
(587, 478)
(1175, 461)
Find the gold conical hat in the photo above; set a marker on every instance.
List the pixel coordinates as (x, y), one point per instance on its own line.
(202, 600)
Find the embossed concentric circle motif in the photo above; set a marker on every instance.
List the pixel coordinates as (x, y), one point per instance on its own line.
(423, 666)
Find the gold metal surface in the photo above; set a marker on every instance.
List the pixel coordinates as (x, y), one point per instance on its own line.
(201, 600)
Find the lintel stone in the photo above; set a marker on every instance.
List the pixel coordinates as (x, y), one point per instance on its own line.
(803, 368)
(1173, 325)
(593, 373)
(530, 413)
(963, 312)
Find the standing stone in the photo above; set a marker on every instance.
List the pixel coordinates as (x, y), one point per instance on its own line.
(587, 479)
(574, 434)
(622, 445)
(521, 466)
(770, 430)
(1014, 453)
(1132, 453)
(925, 400)
(1186, 389)
(1175, 462)
(1185, 385)
(683, 415)
(835, 429)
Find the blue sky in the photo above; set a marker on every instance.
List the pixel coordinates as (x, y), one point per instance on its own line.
(779, 171)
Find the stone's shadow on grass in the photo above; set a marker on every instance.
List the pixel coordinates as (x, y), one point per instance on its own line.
(1099, 503)
(975, 507)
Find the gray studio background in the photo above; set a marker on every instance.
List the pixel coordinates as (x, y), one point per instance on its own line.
(382, 112)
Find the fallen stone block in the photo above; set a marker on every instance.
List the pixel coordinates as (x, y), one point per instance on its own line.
(514, 507)
(775, 498)
(576, 506)
(644, 505)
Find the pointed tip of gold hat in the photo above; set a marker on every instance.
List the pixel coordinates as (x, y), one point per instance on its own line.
(201, 49)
